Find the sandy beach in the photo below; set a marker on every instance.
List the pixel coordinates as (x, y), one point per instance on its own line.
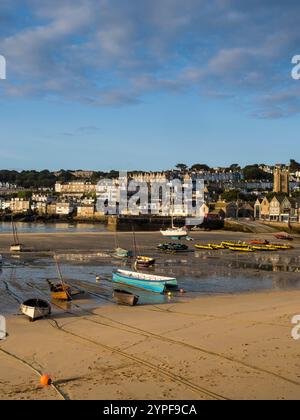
(209, 346)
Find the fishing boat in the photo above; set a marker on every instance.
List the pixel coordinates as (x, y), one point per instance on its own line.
(35, 309)
(123, 297)
(240, 249)
(206, 247)
(16, 246)
(122, 253)
(150, 282)
(145, 262)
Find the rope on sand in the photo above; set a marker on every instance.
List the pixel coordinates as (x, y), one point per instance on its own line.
(36, 371)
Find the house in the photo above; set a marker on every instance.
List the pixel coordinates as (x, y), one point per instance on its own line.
(257, 209)
(265, 209)
(86, 212)
(19, 205)
(64, 209)
(245, 210)
(280, 209)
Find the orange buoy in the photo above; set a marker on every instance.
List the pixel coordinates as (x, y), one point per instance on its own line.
(169, 294)
(45, 380)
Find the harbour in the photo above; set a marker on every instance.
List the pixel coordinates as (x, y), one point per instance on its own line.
(217, 293)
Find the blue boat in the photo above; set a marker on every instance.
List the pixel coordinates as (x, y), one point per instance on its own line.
(150, 282)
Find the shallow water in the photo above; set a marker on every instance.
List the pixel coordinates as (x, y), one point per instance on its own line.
(5, 227)
(23, 278)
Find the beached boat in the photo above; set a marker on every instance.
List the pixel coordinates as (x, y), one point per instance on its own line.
(123, 297)
(281, 246)
(284, 237)
(142, 261)
(259, 242)
(16, 246)
(263, 248)
(241, 249)
(217, 246)
(62, 291)
(172, 247)
(150, 282)
(174, 232)
(235, 244)
(206, 247)
(35, 309)
(122, 253)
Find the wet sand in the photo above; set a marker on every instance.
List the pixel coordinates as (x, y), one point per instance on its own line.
(229, 346)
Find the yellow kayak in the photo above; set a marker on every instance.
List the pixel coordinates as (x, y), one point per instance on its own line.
(217, 246)
(240, 249)
(235, 245)
(207, 247)
(263, 248)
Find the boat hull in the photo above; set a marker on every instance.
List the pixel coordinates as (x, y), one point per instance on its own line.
(35, 309)
(17, 248)
(155, 286)
(125, 298)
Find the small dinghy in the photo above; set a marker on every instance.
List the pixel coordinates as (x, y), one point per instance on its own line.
(122, 297)
(35, 309)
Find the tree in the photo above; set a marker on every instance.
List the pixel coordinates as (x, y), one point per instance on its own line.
(235, 167)
(254, 173)
(200, 167)
(181, 167)
(294, 166)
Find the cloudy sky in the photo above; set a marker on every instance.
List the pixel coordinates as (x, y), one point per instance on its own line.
(146, 84)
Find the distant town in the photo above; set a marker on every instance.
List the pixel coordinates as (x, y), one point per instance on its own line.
(255, 192)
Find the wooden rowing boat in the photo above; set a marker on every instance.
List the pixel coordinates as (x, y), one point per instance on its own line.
(123, 297)
(35, 309)
(145, 262)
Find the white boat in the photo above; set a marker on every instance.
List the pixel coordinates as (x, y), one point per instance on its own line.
(35, 309)
(17, 248)
(175, 232)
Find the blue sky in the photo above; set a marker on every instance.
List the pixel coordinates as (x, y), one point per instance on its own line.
(124, 84)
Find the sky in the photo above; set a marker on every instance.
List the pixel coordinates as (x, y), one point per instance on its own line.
(147, 84)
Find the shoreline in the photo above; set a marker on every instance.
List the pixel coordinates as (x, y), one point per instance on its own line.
(214, 346)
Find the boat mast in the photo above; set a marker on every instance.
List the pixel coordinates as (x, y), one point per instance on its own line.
(15, 232)
(59, 270)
